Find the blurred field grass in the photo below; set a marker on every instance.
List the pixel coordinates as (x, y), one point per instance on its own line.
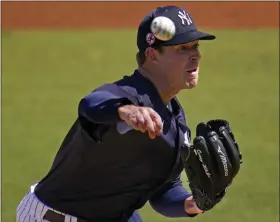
(44, 75)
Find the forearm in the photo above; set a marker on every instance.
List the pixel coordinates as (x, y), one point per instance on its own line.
(172, 202)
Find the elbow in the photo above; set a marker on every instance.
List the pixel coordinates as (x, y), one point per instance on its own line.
(87, 110)
(98, 109)
(83, 107)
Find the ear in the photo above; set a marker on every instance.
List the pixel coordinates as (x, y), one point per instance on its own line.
(151, 55)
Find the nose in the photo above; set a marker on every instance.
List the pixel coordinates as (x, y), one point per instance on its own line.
(195, 57)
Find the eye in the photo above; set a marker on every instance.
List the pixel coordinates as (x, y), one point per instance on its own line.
(183, 48)
(195, 46)
(188, 48)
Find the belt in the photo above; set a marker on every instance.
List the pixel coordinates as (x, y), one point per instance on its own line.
(56, 217)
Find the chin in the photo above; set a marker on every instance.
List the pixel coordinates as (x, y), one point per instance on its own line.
(190, 85)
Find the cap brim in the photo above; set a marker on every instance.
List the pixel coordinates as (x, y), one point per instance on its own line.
(189, 37)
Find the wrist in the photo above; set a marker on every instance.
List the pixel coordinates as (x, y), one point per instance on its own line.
(191, 208)
(122, 110)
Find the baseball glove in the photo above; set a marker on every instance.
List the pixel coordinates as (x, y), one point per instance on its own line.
(211, 163)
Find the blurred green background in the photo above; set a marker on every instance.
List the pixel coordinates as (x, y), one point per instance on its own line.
(45, 74)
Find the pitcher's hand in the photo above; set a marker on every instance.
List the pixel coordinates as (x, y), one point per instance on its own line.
(144, 119)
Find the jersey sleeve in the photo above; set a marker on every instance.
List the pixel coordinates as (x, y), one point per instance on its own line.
(101, 105)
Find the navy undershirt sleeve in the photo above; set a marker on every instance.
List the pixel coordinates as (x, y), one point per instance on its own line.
(101, 106)
(169, 201)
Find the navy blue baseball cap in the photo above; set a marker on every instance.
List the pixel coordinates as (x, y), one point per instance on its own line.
(186, 30)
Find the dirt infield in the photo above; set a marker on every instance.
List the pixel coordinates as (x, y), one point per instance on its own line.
(26, 15)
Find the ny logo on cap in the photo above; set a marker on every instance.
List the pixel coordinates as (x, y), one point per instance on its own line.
(150, 38)
(184, 17)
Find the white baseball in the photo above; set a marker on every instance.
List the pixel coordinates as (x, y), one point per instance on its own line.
(163, 28)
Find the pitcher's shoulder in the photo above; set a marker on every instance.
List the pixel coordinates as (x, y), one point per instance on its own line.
(130, 86)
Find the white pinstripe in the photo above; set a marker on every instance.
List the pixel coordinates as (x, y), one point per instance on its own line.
(31, 209)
